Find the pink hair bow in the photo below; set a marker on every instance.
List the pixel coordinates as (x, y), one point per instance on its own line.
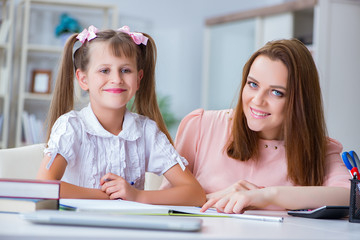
(87, 34)
(138, 38)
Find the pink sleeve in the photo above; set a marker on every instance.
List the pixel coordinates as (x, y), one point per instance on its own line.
(187, 138)
(337, 174)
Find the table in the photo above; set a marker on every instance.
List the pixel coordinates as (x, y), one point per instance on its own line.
(13, 227)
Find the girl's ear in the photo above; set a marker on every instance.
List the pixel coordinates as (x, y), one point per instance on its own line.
(140, 76)
(81, 77)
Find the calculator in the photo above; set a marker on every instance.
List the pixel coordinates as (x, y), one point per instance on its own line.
(324, 212)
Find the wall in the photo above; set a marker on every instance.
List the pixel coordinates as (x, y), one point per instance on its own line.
(178, 28)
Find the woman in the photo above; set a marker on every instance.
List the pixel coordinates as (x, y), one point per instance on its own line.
(272, 150)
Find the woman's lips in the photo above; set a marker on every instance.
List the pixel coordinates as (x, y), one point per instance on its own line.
(258, 114)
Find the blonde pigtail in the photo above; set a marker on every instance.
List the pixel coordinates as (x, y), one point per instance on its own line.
(63, 96)
(145, 99)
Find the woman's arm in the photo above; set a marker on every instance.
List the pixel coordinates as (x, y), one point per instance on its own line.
(184, 190)
(67, 190)
(238, 186)
(282, 196)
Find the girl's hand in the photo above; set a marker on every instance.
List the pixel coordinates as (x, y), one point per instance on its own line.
(239, 201)
(241, 185)
(117, 187)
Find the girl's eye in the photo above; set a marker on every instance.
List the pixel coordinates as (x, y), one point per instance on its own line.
(104, 71)
(277, 93)
(125, 70)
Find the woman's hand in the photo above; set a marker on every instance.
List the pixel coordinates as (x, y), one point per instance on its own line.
(239, 201)
(117, 187)
(241, 185)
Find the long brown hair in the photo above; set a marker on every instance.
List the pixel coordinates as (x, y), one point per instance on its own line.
(304, 128)
(121, 43)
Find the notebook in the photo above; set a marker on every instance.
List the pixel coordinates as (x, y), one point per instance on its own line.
(136, 208)
(96, 219)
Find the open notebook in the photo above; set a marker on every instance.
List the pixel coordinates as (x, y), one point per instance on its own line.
(135, 208)
(74, 218)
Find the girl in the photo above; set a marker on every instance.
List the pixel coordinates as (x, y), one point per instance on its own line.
(104, 150)
(272, 151)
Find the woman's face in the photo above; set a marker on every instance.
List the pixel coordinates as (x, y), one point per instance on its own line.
(264, 97)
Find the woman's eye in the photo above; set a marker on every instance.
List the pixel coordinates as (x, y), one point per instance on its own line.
(277, 93)
(252, 84)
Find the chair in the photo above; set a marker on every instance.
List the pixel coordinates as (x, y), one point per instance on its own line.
(21, 162)
(24, 162)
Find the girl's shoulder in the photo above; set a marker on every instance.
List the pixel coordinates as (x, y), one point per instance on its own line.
(72, 117)
(70, 121)
(136, 124)
(138, 119)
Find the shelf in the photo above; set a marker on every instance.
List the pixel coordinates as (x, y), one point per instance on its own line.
(45, 48)
(6, 68)
(73, 4)
(40, 50)
(36, 96)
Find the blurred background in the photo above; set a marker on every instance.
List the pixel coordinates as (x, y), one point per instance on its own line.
(202, 47)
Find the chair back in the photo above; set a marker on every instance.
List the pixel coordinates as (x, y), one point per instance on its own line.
(21, 162)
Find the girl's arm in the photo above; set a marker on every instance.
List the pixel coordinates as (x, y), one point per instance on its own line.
(286, 197)
(67, 190)
(185, 189)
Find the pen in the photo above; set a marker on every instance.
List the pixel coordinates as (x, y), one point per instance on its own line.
(131, 183)
(246, 216)
(257, 217)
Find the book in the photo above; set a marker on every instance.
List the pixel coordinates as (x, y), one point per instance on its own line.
(29, 188)
(1, 123)
(21, 205)
(135, 208)
(4, 30)
(26, 128)
(111, 206)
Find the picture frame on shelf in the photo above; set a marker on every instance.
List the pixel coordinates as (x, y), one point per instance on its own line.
(41, 81)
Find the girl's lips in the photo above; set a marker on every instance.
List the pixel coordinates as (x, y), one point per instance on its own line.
(258, 114)
(115, 90)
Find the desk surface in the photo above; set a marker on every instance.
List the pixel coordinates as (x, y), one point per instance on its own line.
(13, 227)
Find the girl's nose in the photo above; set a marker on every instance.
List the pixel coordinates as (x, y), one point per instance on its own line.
(117, 78)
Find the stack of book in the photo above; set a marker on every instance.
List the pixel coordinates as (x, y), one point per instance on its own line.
(25, 195)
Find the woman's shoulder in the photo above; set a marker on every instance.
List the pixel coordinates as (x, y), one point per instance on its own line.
(209, 116)
(208, 122)
(333, 146)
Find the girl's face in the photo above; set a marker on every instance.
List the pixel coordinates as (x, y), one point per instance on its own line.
(111, 81)
(264, 97)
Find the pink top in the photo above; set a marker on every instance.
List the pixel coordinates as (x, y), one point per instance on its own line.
(202, 136)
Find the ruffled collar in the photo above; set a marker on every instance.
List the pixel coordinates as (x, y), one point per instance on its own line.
(131, 126)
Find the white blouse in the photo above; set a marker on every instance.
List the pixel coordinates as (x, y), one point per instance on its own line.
(91, 151)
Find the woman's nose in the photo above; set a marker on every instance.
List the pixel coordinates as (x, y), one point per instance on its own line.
(259, 97)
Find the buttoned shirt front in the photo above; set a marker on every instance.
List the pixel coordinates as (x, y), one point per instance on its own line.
(91, 151)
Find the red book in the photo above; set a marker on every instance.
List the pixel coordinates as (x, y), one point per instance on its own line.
(29, 188)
